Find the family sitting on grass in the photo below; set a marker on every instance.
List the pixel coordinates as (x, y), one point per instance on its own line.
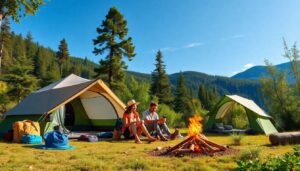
(133, 127)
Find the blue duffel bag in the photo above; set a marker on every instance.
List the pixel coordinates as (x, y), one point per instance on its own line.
(31, 139)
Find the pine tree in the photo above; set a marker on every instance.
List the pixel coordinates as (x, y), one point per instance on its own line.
(19, 50)
(20, 79)
(5, 46)
(203, 96)
(18, 8)
(160, 86)
(30, 46)
(112, 39)
(62, 55)
(182, 102)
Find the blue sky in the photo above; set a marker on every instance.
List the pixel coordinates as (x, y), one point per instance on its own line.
(218, 37)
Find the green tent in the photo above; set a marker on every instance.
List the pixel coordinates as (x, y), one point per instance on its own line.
(259, 121)
(75, 103)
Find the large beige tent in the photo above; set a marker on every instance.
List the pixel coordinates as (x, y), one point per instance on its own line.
(75, 102)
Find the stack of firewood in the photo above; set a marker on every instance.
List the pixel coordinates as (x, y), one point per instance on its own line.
(196, 144)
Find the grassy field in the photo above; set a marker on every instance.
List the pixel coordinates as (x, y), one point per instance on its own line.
(126, 155)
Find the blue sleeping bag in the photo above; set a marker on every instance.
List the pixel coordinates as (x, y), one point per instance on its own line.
(31, 139)
(56, 139)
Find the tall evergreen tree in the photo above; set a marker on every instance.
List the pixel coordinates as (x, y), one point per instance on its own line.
(5, 45)
(62, 55)
(182, 102)
(160, 86)
(20, 79)
(112, 39)
(30, 46)
(203, 96)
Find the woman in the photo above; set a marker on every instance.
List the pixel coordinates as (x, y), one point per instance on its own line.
(132, 125)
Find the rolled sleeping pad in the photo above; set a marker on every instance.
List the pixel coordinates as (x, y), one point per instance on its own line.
(285, 138)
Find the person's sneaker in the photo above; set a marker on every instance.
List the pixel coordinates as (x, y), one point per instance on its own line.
(179, 136)
(174, 135)
(162, 138)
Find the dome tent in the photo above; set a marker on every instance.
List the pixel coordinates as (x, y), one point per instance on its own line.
(259, 121)
(73, 102)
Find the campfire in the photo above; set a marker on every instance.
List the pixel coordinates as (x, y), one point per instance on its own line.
(196, 143)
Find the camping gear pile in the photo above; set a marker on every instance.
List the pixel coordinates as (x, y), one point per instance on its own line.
(88, 138)
(285, 138)
(27, 132)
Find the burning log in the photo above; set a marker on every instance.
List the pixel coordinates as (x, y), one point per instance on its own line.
(196, 142)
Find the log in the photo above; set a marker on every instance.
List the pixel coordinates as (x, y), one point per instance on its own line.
(179, 145)
(202, 142)
(182, 151)
(215, 145)
(192, 147)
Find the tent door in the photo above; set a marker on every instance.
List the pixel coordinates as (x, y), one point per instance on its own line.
(69, 115)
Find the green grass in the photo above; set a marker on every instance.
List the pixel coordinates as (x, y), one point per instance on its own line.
(126, 155)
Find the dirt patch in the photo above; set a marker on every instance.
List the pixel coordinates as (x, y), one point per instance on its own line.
(162, 153)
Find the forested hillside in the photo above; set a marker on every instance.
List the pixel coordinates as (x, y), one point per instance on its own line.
(46, 70)
(224, 85)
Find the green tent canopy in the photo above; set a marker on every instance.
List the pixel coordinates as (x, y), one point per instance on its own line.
(75, 103)
(259, 121)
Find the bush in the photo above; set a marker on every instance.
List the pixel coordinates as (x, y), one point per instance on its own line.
(236, 139)
(289, 161)
(250, 154)
(173, 118)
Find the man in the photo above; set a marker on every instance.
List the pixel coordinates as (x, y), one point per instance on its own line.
(154, 123)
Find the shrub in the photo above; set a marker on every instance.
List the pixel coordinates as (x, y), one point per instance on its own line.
(173, 118)
(237, 138)
(250, 154)
(289, 161)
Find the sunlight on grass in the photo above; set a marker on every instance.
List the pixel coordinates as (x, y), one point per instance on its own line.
(126, 155)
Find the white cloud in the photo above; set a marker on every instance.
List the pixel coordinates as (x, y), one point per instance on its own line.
(192, 45)
(248, 65)
(245, 67)
(237, 36)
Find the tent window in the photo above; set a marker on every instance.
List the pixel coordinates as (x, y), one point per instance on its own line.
(69, 115)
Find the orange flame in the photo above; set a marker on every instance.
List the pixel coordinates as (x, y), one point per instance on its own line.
(195, 127)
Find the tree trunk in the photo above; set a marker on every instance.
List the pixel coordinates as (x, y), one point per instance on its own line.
(1, 46)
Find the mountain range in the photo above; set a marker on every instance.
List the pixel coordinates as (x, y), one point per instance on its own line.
(257, 72)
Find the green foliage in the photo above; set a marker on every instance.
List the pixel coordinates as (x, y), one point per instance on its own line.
(282, 101)
(113, 29)
(208, 97)
(18, 8)
(237, 139)
(5, 45)
(173, 118)
(138, 91)
(182, 102)
(20, 79)
(3, 97)
(289, 161)
(237, 117)
(250, 154)
(62, 55)
(160, 86)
